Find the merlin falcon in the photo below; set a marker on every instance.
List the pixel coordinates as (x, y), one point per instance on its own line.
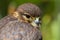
(23, 24)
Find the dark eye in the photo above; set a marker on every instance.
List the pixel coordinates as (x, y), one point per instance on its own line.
(27, 16)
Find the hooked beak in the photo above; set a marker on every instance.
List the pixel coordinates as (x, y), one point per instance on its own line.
(37, 21)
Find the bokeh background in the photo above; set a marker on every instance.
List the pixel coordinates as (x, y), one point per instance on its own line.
(50, 27)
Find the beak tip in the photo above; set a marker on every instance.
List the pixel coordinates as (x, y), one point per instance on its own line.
(37, 22)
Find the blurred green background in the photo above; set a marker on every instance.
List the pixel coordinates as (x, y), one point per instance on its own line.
(50, 19)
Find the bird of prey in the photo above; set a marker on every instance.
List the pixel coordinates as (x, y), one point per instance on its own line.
(23, 24)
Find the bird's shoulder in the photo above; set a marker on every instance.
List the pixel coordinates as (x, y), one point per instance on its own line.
(20, 29)
(5, 20)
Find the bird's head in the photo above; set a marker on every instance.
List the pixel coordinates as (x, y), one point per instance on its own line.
(28, 13)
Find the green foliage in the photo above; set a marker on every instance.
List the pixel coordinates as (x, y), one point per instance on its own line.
(51, 24)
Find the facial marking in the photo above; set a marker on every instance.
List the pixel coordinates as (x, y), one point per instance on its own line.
(27, 17)
(15, 14)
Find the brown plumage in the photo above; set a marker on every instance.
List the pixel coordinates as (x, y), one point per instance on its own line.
(16, 30)
(5, 20)
(17, 26)
(32, 9)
